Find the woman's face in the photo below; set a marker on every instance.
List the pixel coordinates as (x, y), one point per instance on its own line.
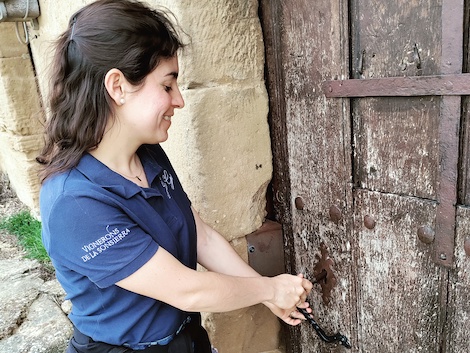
(149, 108)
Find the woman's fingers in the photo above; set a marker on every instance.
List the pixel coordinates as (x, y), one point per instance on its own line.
(290, 291)
(306, 283)
(291, 316)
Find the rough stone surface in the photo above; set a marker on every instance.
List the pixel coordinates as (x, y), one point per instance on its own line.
(228, 185)
(20, 118)
(31, 318)
(9, 43)
(260, 333)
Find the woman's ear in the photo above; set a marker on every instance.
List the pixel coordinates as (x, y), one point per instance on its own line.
(115, 82)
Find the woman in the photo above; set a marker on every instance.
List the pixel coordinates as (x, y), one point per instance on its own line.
(121, 232)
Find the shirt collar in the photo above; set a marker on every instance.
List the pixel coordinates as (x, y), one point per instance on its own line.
(100, 174)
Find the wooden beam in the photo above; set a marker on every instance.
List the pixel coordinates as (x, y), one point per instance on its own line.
(439, 85)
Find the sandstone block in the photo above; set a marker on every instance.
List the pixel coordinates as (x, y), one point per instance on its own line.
(21, 167)
(225, 42)
(250, 330)
(227, 170)
(10, 47)
(19, 108)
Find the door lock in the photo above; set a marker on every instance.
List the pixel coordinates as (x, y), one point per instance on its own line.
(323, 273)
(324, 276)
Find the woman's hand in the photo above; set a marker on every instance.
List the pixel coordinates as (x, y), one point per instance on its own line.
(290, 317)
(292, 292)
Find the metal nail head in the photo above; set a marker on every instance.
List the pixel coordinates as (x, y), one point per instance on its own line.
(426, 234)
(299, 203)
(369, 222)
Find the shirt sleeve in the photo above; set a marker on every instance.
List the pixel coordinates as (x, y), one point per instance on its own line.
(96, 238)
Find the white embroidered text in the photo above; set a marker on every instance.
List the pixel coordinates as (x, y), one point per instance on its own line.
(102, 244)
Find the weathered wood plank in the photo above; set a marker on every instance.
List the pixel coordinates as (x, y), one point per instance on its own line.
(398, 284)
(393, 39)
(396, 138)
(313, 46)
(464, 168)
(272, 24)
(397, 145)
(458, 324)
(396, 161)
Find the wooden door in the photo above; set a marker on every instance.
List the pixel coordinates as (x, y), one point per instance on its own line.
(370, 141)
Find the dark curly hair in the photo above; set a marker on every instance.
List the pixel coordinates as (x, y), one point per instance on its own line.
(106, 34)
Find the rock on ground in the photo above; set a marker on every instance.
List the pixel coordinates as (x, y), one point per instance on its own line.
(31, 300)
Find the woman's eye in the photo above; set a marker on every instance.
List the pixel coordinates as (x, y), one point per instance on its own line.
(167, 88)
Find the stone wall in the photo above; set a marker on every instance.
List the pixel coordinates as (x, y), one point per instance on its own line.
(20, 122)
(219, 143)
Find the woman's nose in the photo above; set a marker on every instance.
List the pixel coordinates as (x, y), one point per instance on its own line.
(178, 100)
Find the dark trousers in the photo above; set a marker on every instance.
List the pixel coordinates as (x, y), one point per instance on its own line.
(192, 339)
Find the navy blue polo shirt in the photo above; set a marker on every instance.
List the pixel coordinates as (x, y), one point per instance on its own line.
(98, 228)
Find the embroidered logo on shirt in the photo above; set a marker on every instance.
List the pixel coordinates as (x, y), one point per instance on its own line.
(167, 182)
(103, 243)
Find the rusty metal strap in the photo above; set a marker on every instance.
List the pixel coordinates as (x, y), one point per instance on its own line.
(439, 85)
